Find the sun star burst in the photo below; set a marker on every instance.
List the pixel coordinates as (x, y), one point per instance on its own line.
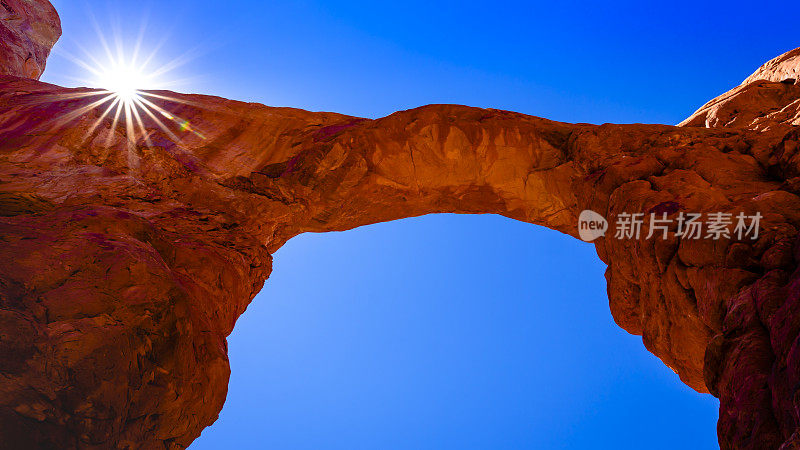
(125, 83)
(123, 80)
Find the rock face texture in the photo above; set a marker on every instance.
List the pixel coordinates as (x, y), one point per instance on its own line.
(130, 247)
(28, 30)
(767, 97)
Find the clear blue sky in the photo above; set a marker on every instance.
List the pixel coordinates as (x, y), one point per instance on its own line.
(465, 332)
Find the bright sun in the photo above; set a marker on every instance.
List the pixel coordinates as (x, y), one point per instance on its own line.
(126, 81)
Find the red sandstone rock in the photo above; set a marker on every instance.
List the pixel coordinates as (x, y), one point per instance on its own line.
(783, 68)
(128, 255)
(769, 96)
(28, 30)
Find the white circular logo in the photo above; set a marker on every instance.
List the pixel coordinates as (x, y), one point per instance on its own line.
(591, 225)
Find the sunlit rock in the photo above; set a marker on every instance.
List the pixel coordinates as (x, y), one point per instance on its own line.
(132, 244)
(28, 30)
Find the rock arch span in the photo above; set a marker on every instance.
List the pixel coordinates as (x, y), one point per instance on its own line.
(127, 257)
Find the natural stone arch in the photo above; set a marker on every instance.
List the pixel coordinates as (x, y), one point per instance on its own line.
(129, 253)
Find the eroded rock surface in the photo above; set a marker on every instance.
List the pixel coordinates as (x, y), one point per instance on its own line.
(129, 251)
(28, 30)
(770, 96)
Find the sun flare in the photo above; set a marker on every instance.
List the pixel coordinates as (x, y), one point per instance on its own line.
(124, 78)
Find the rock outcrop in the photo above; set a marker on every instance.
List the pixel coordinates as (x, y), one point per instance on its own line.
(131, 247)
(28, 30)
(767, 97)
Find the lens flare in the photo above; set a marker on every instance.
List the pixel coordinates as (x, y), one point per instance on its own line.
(126, 82)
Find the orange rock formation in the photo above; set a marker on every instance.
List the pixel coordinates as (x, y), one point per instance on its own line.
(128, 254)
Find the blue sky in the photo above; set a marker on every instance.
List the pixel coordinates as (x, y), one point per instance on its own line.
(446, 331)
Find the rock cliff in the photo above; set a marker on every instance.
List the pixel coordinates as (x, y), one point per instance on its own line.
(130, 248)
(28, 30)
